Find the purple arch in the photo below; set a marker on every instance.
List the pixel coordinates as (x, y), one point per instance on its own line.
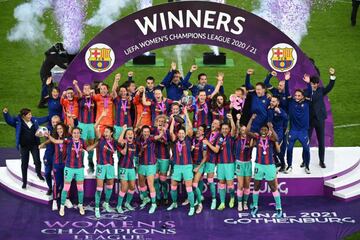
(257, 33)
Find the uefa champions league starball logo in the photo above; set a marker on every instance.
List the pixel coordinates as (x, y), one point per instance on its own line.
(282, 57)
(100, 57)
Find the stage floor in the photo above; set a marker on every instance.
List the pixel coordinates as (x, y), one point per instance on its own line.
(306, 218)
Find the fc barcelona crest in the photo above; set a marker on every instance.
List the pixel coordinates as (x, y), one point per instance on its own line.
(99, 57)
(282, 57)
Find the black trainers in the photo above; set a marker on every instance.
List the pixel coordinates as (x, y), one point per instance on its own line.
(41, 177)
(288, 169)
(322, 164)
(49, 192)
(24, 186)
(302, 165)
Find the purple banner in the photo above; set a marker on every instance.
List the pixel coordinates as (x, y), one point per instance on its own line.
(193, 22)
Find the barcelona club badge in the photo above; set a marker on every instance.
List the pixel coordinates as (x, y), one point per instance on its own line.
(282, 57)
(99, 57)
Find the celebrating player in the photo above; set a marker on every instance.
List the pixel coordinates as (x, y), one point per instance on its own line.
(264, 164)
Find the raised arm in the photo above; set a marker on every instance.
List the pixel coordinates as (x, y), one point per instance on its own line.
(248, 85)
(273, 136)
(220, 82)
(268, 78)
(189, 127)
(75, 83)
(145, 102)
(121, 137)
(331, 84)
(171, 130)
(8, 118)
(232, 123)
(308, 91)
(186, 81)
(287, 78)
(248, 127)
(115, 85)
(97, 127)
(167, 79)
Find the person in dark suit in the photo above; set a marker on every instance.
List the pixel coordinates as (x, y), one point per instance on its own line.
(318, 111)
(26, 142)
(355, 7)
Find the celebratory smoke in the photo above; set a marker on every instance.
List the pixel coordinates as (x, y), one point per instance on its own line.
(107, 13)
(29, 28)
(290, 16)
(69, 16)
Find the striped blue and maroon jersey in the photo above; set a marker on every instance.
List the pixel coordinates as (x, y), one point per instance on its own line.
(59, 153)
(264, 150)
(226, 152)
(197, 150)
(212, 157)
(202, 113)
(243, 149)
(159, 108)
(146, 151)
(122, 112)
(86, 110)
(74, 153)
(105, 151)
(162, 147)
(127, 160)
(182, 152)
(220, 113)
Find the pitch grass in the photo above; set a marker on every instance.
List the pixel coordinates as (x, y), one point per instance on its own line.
(331, 42)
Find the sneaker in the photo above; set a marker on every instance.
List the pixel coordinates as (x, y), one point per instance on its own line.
(307, 170)
(199, 208)
(288, 170)
(81, 209)
(245, 206)
(62, 211)
(54, 205)
(129, 207)
(119, 209)
(152, 208)
(221, 207)
(254, 211)
(282, 169)
(41, 177)
(232, 202)
(213, 204)
(97, 213)
(196, 203)
(49, 192)
(172, 206)
(240, 207)
(68, 203)
(302, 165)
(107, 207)
(144, 202)
(186, 202)
(322, 164)
(166, 202)
(191, 211)
(279, 213)
(23, 186)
